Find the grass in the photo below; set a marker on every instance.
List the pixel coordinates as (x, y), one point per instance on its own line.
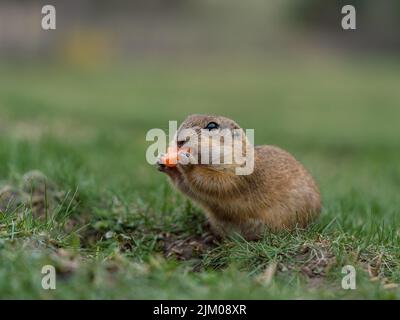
(113, 227)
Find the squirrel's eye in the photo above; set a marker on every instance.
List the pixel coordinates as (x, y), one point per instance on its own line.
(212, 126)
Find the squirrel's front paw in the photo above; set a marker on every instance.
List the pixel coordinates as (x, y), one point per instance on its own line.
(160, 164)
(161, 167)
(172, 172)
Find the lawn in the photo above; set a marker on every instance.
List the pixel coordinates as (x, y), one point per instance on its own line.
(72, 151)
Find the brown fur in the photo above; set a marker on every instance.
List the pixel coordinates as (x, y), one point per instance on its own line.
(279, 195)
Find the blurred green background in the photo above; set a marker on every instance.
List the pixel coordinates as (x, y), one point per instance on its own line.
(110, 72)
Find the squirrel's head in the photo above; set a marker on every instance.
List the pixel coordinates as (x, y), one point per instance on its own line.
(216, 142)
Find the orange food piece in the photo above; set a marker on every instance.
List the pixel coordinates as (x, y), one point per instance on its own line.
(171, 158)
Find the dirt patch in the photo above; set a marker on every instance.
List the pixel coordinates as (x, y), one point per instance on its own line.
(66, 262)
(317, 257)
(377, 266)
(186, 248)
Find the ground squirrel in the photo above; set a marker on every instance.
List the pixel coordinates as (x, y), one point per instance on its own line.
(279, 194)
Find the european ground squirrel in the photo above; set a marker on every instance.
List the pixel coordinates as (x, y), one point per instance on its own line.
(279, 194)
